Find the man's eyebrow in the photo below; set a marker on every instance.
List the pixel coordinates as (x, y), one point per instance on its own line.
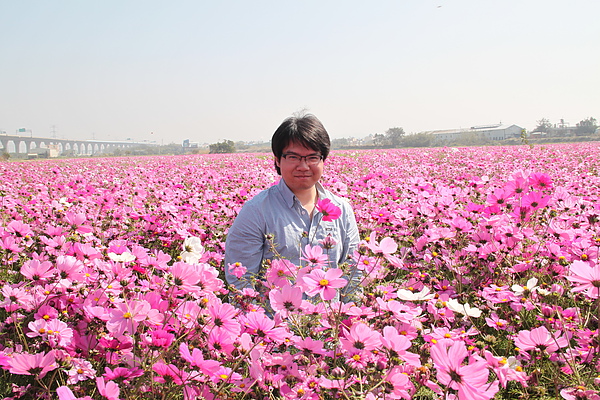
(296, 154)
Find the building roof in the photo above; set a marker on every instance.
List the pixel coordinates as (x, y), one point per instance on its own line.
(479, 128)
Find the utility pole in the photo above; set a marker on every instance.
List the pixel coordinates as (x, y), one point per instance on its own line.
(53, 131)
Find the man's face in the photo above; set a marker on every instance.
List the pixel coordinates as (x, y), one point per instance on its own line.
(299, 176)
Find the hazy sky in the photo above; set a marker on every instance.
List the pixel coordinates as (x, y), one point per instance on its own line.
(214, 70)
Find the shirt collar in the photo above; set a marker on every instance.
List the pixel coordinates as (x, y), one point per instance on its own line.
(290, 198)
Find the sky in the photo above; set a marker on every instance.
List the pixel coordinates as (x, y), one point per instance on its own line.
(207, 71)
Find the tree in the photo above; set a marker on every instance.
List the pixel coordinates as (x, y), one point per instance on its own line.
(226, 146)
(418, 140)
(543, 125)
(379, 140)
(588, 125)
(394, 136)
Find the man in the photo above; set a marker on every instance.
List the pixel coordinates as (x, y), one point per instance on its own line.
(286, 212)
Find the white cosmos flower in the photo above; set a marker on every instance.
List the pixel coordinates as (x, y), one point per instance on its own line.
(407, 295)
(192, 250)
(124, 257)
(531, 286)
(464, 309)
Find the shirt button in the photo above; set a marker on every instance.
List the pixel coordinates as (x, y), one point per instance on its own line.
(303, 212)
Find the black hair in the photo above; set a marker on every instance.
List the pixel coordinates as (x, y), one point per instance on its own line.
(305, 130)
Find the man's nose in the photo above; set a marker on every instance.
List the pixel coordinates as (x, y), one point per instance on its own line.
(303, 164)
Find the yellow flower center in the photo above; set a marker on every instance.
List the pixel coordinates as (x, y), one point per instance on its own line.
(323, 282)
(127, 315)
(356, 357)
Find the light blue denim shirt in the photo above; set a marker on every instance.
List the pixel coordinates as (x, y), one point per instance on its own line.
(278, 212)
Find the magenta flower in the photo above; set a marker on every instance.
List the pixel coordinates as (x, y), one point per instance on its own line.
(535, 200)
(324, 283)
(329, 210)
(586, 277)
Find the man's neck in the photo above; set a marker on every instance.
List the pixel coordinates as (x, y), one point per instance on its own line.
(307, 198)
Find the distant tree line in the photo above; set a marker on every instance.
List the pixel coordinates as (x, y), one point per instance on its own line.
(584, 127)
(226, 146)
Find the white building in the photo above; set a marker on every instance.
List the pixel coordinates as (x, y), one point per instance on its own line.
(490, 132)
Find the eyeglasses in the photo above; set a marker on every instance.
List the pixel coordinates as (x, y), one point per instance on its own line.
(312, 159)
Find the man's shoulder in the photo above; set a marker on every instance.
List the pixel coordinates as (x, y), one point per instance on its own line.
(336, 199)
(264, 197)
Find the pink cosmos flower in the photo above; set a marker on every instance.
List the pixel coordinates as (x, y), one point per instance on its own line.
(36, 270)
(185, 276)
(122, 373)
(223, 318)
(221, 341)
(237, 269)
(168, 372)
(127, 316)
(19, 229)
(81, 370)
(586, 277)
(280, 271)
(314, 256)
(398, 344)
(540, 339)
(162, 338)
(64, 393)
(310, 346)
(16, 298)
(535, 200)
(470, 380)
(196, 359)
(109, 389)
(329, 210)
(361, 337)
(401, 386)
(55, 331)
(286, 300)
(324, 283)
(77, 222)
(386, 246)
(38, 364)
(187, 313)
(262, 327)
(540, 181)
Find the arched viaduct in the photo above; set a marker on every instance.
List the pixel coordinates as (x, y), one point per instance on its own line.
(25, 145)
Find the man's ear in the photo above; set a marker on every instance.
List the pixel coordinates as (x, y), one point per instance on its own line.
(277, 161)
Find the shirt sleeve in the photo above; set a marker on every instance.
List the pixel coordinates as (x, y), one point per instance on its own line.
(351, 237)
(244, 244)
(350, 242)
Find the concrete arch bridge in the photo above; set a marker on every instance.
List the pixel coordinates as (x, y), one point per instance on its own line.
(21, 145)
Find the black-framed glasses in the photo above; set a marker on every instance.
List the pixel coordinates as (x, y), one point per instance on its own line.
(312, 159)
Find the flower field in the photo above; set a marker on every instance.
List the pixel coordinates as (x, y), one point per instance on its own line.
(481, 280)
